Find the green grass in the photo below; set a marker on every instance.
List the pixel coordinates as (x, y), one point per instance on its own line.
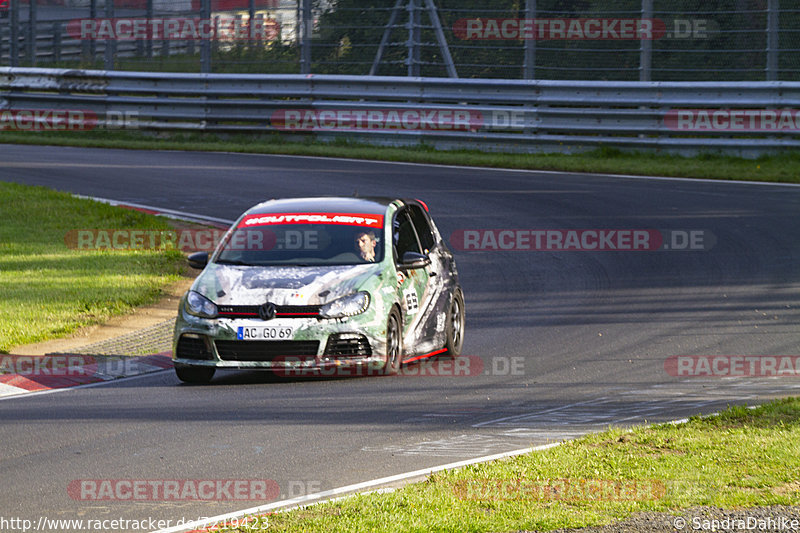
(777, 168)
(739, 458)
(49, 290)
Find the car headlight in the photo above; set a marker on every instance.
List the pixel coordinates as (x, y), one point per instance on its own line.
(199, 305)
(350, 305)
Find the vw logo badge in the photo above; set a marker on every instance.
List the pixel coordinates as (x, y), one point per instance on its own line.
(266, 311)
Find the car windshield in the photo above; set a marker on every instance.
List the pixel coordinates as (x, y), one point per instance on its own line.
(304, 240)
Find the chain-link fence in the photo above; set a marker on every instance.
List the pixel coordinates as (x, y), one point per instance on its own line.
(660, 40)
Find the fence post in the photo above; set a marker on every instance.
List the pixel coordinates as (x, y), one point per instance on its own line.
(306, 24)
(772, 39)
(30, 39)
(56, 42)
(93, 16)
(646, 45)
(413, 43)
(108, 56)
(251, 18)
(13, 46)
(148, 45)
(205, 44)
(529, 67)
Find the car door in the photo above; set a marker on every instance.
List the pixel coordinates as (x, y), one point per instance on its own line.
(416, 293)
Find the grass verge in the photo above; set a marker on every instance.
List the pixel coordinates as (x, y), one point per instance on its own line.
(776, 168)
(49, 290)
(739, 458)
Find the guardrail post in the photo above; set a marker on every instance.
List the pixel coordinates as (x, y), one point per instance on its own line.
(205, 44)
(108, 57)
(306, 26)
(772, 39)
(30, 39)
(165, 44)
(646, 45)
(13, 45)
(529, 66)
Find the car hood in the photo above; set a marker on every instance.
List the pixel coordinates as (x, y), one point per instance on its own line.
(254, 285)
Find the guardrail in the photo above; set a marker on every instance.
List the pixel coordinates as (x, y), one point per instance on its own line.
(748, 118)
(51, 42)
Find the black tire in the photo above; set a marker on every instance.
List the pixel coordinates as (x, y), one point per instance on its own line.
(198, 375)
(454, 326)
(394, 344)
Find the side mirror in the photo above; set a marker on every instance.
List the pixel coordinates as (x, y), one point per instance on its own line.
(198, 260)
(413, 260)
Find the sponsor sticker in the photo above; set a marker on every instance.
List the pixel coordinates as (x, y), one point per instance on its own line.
(348, 219)
(412, 303)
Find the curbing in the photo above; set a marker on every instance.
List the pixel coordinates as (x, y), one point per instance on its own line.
(99, 369)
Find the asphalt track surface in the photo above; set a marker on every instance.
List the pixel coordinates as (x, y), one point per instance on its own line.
(588, 332)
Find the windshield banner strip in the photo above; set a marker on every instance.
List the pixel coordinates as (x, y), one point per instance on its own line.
(345, 219)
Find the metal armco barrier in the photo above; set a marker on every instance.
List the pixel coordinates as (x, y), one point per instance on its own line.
(748, 118)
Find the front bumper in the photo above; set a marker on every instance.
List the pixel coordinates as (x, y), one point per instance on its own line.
(314, 343)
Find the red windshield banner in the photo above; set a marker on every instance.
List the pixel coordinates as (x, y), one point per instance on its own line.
(343, 219)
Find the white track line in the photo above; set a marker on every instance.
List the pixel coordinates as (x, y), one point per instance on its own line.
(173, 213)
(328, 495)
(498, 169)
(29, 394)
(363, 488)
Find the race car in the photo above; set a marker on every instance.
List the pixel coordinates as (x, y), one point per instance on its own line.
(310, 284)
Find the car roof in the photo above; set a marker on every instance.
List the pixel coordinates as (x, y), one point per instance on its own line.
(331, 204)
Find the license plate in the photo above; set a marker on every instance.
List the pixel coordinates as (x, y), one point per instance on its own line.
(263, 333)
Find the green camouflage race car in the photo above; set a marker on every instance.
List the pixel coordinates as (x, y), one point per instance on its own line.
(303, 286)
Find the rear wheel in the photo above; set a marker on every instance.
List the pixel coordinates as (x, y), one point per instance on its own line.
(394, 345)
(194, 374)
(454, 329)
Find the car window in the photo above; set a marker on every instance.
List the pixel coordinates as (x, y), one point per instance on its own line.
(424, 231)
(289, 239)
(405, 238)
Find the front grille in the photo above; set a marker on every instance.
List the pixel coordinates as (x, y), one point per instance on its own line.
(267, 350)
(281, 311)
(348, 346)
(193, 347)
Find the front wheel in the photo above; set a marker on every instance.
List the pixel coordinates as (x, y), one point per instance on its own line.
(394, 345)
(198, 375)
(454, 329)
